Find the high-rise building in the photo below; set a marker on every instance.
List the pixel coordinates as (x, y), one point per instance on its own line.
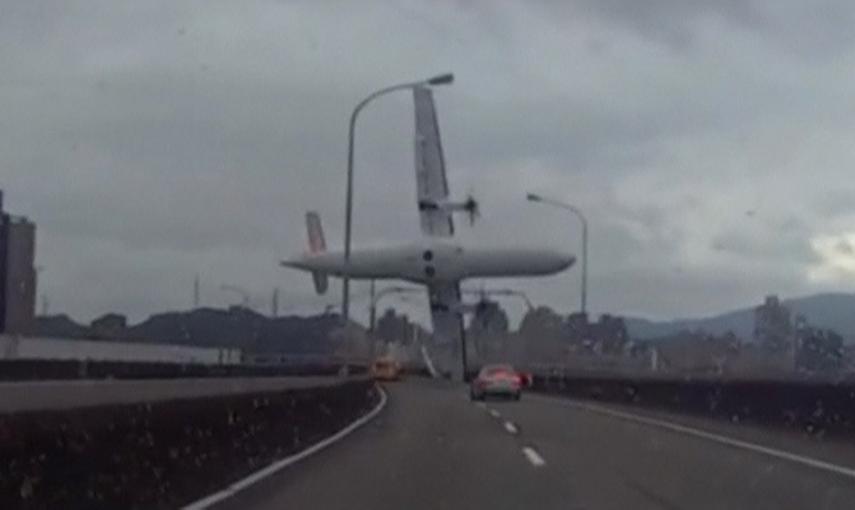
(17, 273)
(773, 328)
(488, 318)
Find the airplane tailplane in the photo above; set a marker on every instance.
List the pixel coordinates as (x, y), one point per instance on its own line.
(317, 245)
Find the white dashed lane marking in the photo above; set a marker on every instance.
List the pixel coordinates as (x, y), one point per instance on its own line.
(529, 452)
(533, 457)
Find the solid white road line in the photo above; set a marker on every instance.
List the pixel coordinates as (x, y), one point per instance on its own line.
(717, 438)
(263, 473)
(511, 428)
(495, 414)
(533, 457)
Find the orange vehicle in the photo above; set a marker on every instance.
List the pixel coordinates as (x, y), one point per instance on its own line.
(386, 369)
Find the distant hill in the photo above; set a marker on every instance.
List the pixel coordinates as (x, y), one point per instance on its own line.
(244, 328)
(238, 327)
(830, 310)
(209, 327)
(59, 326)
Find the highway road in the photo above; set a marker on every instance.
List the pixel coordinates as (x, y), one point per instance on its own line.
(431, 449)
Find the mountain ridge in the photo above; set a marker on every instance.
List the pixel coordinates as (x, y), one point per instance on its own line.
(210, 327)
(828, 310)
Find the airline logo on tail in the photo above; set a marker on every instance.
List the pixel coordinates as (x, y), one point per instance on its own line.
(317, 244)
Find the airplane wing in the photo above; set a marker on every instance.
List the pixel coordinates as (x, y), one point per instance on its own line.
(448, 328)
(431, 183)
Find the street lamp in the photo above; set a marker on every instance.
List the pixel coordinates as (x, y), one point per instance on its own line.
(532, 197)
(442, 79)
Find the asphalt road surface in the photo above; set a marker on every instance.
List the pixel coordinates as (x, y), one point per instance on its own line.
(433, 449)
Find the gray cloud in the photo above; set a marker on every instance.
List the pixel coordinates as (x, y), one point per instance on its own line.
(844, 248)
(153, 141)
(786, 248)
(814, 30)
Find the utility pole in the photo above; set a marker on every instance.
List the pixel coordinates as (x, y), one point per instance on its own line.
(274, 303)
(372, 311)
(196, 292)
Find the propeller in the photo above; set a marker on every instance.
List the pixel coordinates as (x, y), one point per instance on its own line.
(472, 208)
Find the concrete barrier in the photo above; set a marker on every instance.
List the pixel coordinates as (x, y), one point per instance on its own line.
(163, 454)
(32, 369)
(23, 348)
(813, 406)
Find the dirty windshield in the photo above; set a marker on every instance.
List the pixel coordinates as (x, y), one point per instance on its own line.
(427, 254)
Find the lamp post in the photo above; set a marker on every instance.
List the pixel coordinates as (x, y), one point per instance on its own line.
(442, 79)
(532, 197)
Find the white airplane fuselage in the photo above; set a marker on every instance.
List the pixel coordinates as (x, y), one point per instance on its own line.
(435, 261)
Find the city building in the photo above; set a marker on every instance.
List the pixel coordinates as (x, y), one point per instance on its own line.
(488, 329)
(111, 326)
(577, 327)
(817, 350)
(609, 334)
(773, 328)
(394, 328)
(488, 318)
(17, 273)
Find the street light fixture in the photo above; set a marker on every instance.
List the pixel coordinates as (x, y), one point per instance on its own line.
(442, 79)
(533, 197)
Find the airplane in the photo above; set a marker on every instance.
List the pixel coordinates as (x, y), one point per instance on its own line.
(435, 262)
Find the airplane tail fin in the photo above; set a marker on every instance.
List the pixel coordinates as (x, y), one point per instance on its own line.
(317, 245)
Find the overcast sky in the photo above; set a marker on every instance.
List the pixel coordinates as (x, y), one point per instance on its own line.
(711, 144)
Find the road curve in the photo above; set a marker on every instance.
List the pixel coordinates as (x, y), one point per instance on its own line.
(433, 449)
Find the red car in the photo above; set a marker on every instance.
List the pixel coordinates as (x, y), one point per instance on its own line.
(499, 380)
(526, 379)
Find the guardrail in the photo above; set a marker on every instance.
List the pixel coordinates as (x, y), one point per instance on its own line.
(813, 405)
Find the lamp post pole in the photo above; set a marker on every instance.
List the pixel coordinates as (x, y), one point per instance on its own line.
(532, 197)
(442, 79)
